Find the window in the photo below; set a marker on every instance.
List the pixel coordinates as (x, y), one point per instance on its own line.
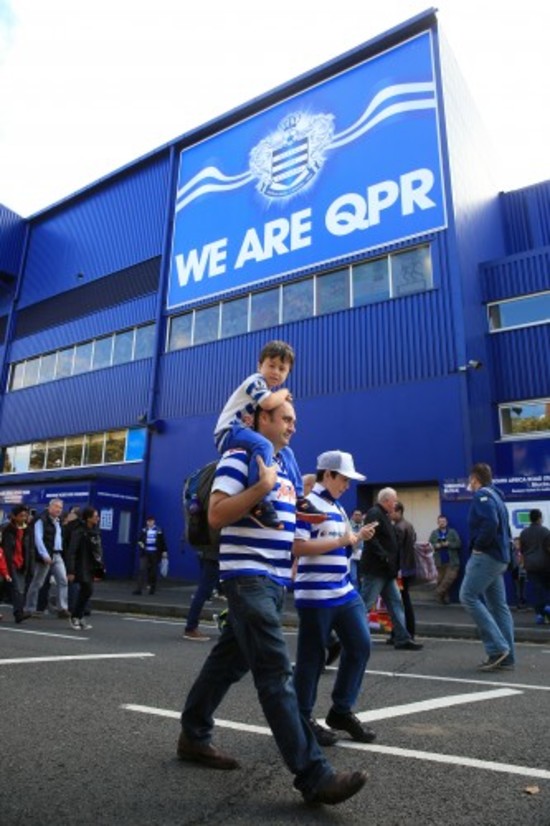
(124, 523)
(55, 454)
(333, 292)
(234, 317)
(371, 282)
(411, 271)
(123, 347)
(297, 300)
(103, 348)
(519, 312)
(31, 372)
(17, 376)
(93, 449)
(181, 330)
(525, 419)
(73, 451)
(264, 311)
(37, 459)
(47, 367)
(82, 358)
(115, 445)
(145, 342)
(206, 324)
(65, 359)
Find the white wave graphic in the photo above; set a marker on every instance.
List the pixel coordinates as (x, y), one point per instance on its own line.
(211, 179)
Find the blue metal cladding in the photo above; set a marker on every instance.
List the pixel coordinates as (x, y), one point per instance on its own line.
(520, 363)
(516, 275)
(129, 314)
(402, 340)
(12, 236)
(526, 214)
(102, 400)
(112, 227)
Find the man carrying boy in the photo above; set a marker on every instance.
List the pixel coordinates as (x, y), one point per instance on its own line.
(255, 567)
(233, 431)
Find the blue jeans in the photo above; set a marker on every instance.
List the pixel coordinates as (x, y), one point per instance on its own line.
(387, 588)
(483, 595)
(257, 445)
(350, 623)
(210, 571)
(253, 640)
(41, 573)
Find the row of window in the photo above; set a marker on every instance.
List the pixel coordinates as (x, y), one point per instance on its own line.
(112, 446)
(519, 312)
(392, 276)
(116, 348)
(523, 419)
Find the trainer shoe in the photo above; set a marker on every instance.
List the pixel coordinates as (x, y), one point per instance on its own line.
(74, 622)
(323, 735)
(63, 614)
(196, 635)
(493, 662)
(204, 753)
(507, 665)
(410, 645)
(85, 626)
(307, 512)
(265, 515)
(350, 723)
(337, 788)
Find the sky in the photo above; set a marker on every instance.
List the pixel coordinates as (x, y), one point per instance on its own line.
(87, 86)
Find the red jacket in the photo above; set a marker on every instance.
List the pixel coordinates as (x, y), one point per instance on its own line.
(4, 566)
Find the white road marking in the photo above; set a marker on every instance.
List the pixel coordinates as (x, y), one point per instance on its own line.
(180, 622)
(76, 635)
(19, 660)
(429, 705)
(450, 759)
(460, 680)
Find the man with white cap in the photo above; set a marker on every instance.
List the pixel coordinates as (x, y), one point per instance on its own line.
(327, 601)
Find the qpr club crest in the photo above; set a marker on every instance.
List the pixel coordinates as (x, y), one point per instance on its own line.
(290, 157)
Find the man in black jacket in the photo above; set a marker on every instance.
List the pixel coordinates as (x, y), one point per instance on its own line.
(380, 565)
(18, 545)
(534, 543)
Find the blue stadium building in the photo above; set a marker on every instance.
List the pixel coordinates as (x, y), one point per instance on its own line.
(350, 212)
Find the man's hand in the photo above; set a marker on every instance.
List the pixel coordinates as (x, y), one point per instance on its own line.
(267, 475)
(70, 577)
(368, 531)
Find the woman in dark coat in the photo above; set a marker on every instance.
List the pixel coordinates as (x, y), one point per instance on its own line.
(84, 563)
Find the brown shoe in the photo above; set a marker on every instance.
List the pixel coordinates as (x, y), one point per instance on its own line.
(338, 787)
(205, 753)
(196, 635)
(63, 614)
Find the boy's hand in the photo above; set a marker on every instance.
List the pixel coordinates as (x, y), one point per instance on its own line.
(289, 396)
(247, 420)
(268, 475)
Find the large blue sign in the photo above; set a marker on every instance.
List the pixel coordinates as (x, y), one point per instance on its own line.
(346, 166)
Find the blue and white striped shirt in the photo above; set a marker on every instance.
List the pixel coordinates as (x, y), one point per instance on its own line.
(246, 549)
(243, 401)
(323, 581)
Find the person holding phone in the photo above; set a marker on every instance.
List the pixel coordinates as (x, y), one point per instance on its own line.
(327, 601)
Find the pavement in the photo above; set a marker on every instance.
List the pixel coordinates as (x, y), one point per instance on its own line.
(173, 598)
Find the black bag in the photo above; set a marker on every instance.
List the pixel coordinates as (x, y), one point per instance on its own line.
(196, 496)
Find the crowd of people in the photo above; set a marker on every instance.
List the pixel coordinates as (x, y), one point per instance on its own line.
(37, 548)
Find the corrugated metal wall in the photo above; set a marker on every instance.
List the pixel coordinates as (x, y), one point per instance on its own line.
(101, 400)
(516, 275)
(520, 362)
(12, 234)
(108, 229)
(526, 214)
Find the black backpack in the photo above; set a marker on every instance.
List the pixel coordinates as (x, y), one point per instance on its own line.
(196, 496)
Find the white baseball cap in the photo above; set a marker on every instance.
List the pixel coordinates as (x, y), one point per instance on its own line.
(340, 462)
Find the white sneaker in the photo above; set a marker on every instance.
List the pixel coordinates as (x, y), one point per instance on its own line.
(74, 622)
(85, 626)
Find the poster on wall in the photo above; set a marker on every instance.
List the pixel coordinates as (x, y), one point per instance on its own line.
(347, 166)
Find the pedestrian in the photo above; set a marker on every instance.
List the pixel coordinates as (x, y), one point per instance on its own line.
(152, 549)
(48, 540)
(18, 544)
(356, 522)
(380, 566)
(535, 549)
(406, 538)
(255, 566)
(446, 544)
(208, 580)
(84, 563)
(262, 389)
(519, 576)
(327, 601)
(483, 593)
